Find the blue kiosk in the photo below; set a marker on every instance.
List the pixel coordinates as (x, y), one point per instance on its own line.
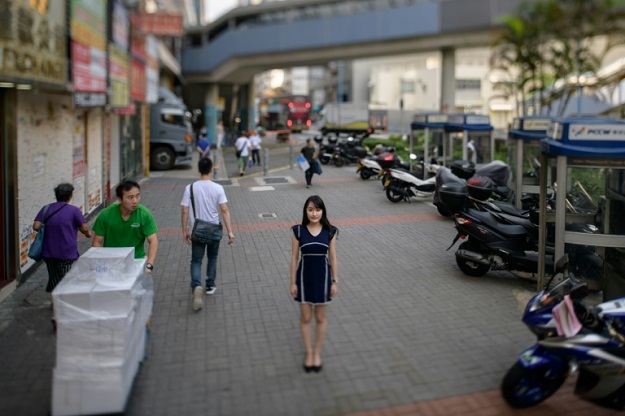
(474, 128)
(584, 158)
(524, 154)
(433, 126)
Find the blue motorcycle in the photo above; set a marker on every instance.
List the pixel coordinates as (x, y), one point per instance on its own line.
(596, 351)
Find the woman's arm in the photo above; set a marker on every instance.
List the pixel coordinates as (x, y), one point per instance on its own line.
(294, 259)
(333, 266)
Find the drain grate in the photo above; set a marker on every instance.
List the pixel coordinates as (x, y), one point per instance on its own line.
(267, 215)
(224, 182)
(275, 180)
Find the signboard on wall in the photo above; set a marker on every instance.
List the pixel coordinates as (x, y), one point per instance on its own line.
(88, 58)
(32, 41)
(160, 23)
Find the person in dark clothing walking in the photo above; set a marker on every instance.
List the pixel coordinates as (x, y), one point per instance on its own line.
(309, 153)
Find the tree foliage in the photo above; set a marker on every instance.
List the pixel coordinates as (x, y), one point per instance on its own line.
(547, 45)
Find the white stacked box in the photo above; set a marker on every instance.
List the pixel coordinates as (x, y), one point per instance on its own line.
(101, 307)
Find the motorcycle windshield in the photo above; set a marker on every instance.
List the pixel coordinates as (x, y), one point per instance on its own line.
(553, 296)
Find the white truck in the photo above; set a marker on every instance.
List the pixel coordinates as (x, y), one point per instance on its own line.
(347, 117)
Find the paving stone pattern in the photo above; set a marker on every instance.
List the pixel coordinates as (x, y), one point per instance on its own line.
(408, 332)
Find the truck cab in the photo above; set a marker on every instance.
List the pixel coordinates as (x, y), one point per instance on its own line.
(171, 132)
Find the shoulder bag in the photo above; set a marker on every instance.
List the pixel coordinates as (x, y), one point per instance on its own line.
(203, 231)
(35, 251)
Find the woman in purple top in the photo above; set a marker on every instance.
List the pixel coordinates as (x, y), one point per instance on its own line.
(62, 222)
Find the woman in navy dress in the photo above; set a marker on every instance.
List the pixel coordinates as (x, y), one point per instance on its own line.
(314, 275)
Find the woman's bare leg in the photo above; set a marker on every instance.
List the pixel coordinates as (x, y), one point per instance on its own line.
(306, 311)
(320, 333)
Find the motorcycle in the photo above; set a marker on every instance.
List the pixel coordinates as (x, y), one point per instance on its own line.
(368, 167)
(593, 345)
(348, 151)
(496, 171)
(500, 237)
(326, 151)
(403, 185)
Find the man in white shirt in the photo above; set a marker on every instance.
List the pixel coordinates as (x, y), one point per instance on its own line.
(209, 200)
(255, 141)
(242, 146)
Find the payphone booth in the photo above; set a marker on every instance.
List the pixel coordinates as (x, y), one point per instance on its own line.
(434, 143)
(584, 160)
(470, 138)
(524, 155)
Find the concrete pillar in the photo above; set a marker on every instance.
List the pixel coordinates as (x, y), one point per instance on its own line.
(251, 105)
(448, 81)
(211, 97)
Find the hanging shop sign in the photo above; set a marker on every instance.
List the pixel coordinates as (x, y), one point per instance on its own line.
(32, 41)
(160, 24)
(88, 57)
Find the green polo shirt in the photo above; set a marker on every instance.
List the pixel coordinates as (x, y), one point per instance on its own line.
(130, 233)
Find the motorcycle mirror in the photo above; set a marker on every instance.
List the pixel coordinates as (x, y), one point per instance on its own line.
(561, 264)
(559, 267)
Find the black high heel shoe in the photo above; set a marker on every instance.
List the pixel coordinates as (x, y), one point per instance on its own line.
(310, 368)
(317, 368)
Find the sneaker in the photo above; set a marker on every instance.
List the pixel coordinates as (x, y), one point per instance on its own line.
(197, 298)
(307, 186)
(210, 290)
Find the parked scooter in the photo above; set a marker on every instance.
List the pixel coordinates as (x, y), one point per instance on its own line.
(496, 171)
(368, 167)
(592, 344)
(348, 151)
(403, 185)
(500, 241)
(326, 151)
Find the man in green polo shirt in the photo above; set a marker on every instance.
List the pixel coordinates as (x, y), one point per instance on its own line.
(128, 224)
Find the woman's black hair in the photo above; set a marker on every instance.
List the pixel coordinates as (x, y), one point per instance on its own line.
(63, 192)
(317, 203)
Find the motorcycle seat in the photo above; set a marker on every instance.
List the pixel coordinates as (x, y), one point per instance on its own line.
(509, 230)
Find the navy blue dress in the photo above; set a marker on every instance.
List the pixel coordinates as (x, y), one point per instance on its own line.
(314, 276)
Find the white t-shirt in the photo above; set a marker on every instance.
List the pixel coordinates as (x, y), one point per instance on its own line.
(243, 145)
(255, 141)
(208, 195)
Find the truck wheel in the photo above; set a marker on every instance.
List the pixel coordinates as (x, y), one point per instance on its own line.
(162, 158)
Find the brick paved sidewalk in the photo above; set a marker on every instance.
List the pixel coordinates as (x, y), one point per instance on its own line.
(408, 333)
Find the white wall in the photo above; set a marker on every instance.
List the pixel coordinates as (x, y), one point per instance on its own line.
(52, 148)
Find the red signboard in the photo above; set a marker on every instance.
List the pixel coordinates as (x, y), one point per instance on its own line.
(137, 80)
(161, 23)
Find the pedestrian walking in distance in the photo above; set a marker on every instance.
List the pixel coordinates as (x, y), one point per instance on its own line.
(242, 147)
(314, 276)
(308, 152)
(204, 200)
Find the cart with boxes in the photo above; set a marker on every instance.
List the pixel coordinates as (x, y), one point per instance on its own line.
(102, 308)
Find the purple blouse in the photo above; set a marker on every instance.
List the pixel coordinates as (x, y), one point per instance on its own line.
(60, 239)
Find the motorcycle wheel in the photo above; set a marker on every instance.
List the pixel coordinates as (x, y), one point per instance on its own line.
(393, 196)
(444, 211)
(324, 160)
(524, 387)
(364, 175)
(468, 267)
(339, 162)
